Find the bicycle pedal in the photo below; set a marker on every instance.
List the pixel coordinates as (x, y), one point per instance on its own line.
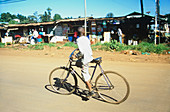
(96, 95)
(91, 94)
(86, 92)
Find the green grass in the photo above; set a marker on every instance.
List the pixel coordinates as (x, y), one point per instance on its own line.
(59, 46)
(113, 45)
(70, 44)
(41, 46)
(142, 47)
(2, 45)
(150, 47)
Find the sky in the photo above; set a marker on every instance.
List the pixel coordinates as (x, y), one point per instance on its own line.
(75, 8)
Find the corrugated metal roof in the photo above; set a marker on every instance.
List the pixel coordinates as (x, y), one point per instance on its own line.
(30, 24)
(76, 19)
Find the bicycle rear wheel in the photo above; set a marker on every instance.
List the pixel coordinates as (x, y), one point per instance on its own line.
(62, 81)
(112, 87)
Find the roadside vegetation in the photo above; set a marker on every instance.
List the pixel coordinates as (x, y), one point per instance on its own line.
(41, 46)
(2, 45)
(34, 18)
(143, 47)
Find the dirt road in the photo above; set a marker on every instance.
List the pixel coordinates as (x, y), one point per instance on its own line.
(24, 78)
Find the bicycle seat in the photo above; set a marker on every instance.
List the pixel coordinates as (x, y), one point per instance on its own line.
(97, 60)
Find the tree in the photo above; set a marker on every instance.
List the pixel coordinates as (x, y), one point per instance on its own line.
(31, 19)
(13, 16)
(25, 21)
(5, 17)
(40, 17)
(21, 17)
(49, 14)
(36, 16)
(44, 18)
(13, 22)
(110, 15)
(56, 17)
(68, 17)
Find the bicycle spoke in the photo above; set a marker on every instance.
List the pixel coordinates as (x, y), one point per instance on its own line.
(62, 81)
(109, 97)
(107, 89)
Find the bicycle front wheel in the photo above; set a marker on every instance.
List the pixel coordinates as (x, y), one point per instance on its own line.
(112, 87)
(62, 81)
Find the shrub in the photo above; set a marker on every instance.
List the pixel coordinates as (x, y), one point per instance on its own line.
(100, 46)
(2, 45)
(142, 47)
(118, 46)
(152, 48)
(161, 48)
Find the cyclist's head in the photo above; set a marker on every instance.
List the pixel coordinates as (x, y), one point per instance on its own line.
(81, 30)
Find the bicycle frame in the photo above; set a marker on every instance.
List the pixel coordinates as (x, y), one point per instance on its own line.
(72, 71)
(95, 67)
(66, 81)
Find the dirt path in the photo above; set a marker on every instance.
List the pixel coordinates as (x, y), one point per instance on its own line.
(24, 75)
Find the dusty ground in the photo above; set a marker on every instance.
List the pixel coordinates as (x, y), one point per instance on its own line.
(106, 55)
(24, 82)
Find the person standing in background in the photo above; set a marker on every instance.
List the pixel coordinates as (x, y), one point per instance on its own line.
(75, 36)
(120, 35)
(35, 35)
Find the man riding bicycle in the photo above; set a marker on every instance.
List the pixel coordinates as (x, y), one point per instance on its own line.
(84, 47)
(110, 86)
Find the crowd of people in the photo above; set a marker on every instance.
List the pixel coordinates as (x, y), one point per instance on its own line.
(35, 36)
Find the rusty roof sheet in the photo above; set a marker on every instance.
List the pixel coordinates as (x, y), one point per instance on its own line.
(30, 24)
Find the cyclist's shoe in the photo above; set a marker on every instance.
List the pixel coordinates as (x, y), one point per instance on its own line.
(91, 94)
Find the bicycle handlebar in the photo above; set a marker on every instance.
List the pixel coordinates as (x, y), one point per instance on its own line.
(72, 53)
(96, 60)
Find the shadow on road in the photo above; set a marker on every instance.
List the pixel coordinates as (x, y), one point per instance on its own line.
(78, 92)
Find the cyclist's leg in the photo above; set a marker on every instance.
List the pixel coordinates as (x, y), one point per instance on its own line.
(89, 85)
(86, 75)
(85, 72)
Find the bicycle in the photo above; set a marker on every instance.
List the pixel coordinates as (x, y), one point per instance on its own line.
(109, 85)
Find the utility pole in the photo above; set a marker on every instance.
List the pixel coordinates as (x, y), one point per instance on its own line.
(157, 19)
(141, 2)
(85, 25)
